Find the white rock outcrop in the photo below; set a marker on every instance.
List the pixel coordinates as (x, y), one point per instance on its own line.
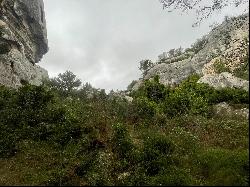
(224, 80)
(228, 42)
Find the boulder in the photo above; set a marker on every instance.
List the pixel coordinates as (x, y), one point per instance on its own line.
(224, 80)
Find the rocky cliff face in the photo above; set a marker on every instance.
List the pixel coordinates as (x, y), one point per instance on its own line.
(23, 42)
(224, 48)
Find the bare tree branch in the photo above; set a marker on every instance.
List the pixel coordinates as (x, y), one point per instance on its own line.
(203, 8)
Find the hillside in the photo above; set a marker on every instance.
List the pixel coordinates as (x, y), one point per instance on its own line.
(224, 49)
(184, 123)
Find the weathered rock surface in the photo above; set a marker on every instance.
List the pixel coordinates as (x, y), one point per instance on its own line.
(23, 42)
(224, 108)
(223, 80)
(123, 95)
(228, 42)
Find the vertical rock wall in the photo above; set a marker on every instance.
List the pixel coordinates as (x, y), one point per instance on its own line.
(23, 42)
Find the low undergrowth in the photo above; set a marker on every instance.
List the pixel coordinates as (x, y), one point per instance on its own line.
(166, 136)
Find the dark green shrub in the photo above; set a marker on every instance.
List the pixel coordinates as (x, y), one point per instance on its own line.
(33, 97)
(186, 142)
(144, 109)
(122, 143)
(119, 108)
(173, 177)
(195, 98)
(243, 70)
(72, 141)
(223, 167)
(177, 103)
(153, 90)
(4, 48)
(230, 95)
(188, 97)
(157, 153)
(6, 97)
(8, 140)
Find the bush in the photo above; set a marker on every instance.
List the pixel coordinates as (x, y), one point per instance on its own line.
(176, 103)
(6, 96)
(33, 97)
(4, 48)
(243, 70)
(223, 167)
(144, 108)
(153, 90)
(104, 140)
(186, 142)
(157, 154)
(173, 177)
(230, 95)
(121, 141)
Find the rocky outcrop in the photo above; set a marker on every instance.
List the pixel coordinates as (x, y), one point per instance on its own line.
(122, 95)
(223, 80)
(23, 42)
(225, 109)
(227, 43)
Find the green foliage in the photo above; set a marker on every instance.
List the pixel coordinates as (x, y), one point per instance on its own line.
(189, 97)
(21, 112)
(176, 103)
(163, 137)
(33, 97)
(5, 96)
(153, 90)
(65, 83)
(243, 70)
(4, 48)
(122, 144)
(223, 167)
(230, 95)
(157, 153)
(145, 108)
(145, 66)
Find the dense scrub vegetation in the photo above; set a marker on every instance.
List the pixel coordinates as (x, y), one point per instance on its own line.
(53, 135)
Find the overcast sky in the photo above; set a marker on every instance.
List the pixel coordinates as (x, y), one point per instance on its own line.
(103, 41)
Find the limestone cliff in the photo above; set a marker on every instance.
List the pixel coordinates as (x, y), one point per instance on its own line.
(23, 42)
(224, 48)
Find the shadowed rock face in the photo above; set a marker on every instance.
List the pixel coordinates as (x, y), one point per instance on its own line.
(23, 41)
(32, 12)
